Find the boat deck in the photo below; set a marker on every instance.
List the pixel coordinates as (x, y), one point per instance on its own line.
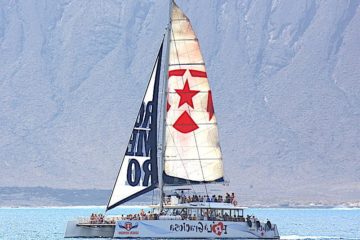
(96, 224)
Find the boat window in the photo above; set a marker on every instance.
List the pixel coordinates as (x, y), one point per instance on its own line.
(194, 212)
(166, 211)
(226, 214)
(219, 215)
(234, 213)
(204, 214)
(211, 214)
(176, 211)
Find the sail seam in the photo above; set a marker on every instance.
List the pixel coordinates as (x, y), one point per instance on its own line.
(186, 64)
(185, 39)
(199, 124)
(197, 93)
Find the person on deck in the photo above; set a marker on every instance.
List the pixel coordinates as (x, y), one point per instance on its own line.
(232, 197)
(142, 214)
(183, 197)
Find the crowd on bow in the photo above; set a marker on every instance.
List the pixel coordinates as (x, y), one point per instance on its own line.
(141, 216)
(97, 218)
(228, 198)
(101, 219)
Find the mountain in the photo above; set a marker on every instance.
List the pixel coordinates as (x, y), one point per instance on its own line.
(285, 78)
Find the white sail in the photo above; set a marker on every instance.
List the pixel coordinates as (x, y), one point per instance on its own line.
(139, 170)
(192, 151)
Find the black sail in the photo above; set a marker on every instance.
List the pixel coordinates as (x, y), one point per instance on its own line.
(138, 173)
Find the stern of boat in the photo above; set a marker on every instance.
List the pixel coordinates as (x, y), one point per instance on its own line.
(263, 231)
(276, 232)
(76, 229)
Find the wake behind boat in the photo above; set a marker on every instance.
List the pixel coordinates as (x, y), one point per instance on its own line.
(185, 153)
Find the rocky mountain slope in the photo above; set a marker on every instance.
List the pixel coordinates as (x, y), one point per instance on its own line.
(285, 77)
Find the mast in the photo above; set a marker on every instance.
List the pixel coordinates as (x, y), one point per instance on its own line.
(166, 70)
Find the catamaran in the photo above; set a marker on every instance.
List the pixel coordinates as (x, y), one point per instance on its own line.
(174, 142)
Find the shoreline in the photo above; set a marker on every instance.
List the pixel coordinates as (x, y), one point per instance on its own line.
(138, 206)
(44, 197)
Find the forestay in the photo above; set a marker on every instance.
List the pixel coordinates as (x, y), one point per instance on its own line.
(192, 151)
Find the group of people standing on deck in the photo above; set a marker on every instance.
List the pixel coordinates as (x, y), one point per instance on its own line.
(97, 218)
(228, 198)
(141, 216)
(100, 218)
(252, 221)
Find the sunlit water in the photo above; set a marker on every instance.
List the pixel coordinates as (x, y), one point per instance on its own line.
(50, 223)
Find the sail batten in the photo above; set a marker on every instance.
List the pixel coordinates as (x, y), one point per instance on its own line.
(192, 152)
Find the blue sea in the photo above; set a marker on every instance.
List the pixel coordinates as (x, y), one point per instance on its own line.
(293, 223)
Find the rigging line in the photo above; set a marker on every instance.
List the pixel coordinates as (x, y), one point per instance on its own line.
(194, 134)
(172, 137)
(152, 198)
(196, 144)
(187, 174)
(165, 89)
(182, 78)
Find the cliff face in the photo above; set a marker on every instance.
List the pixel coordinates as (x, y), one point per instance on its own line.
(285, 77)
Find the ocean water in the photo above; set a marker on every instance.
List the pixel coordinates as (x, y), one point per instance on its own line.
(293, 223)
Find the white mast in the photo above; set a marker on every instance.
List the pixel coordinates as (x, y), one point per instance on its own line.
(165, 81)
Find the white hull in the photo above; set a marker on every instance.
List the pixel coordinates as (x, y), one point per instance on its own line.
(174, 229)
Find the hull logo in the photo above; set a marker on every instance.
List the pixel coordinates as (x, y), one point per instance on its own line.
(128, 226)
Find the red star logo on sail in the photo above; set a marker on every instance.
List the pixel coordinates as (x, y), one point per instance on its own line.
(186, 95)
